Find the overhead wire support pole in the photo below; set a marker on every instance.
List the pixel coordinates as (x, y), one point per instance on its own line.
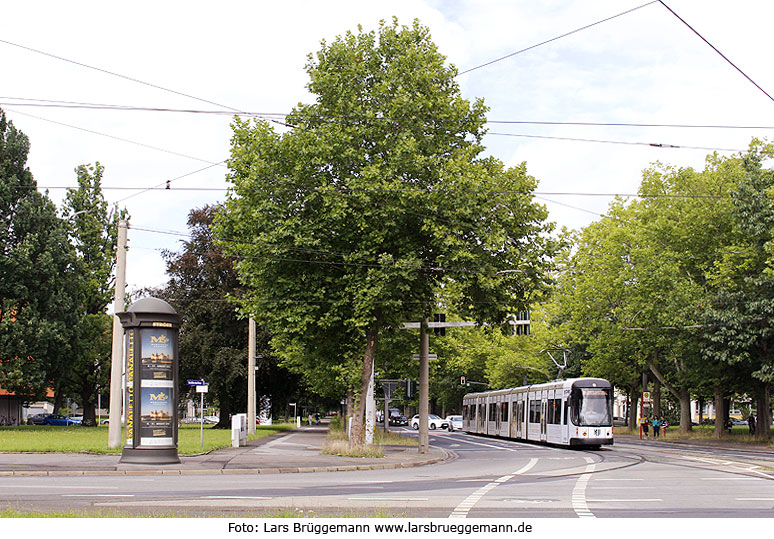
(251, 412)
(424, 386)
(117, 356)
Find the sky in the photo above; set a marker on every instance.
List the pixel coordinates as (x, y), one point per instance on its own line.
(642, 67)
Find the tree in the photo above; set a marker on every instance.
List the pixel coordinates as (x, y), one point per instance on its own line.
(93, 229)
(37, 275)
(740, 311)
(348, 224)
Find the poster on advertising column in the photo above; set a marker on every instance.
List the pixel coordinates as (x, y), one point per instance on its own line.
(157, 354)
(156, 415)
(156, 380)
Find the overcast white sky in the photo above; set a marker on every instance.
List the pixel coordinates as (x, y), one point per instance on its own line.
(642, 67)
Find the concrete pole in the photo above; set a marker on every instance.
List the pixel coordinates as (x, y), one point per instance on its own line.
(117, 357)
(424, 386)
(251, 377)
(370, 410)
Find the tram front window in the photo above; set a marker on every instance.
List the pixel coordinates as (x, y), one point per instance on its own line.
(590, 407)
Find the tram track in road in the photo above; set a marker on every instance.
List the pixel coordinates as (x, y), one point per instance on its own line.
(700, 458)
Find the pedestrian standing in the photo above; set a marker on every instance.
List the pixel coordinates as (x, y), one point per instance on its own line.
(751, 423)
(645, 427)
(656, 426)
(664, 425)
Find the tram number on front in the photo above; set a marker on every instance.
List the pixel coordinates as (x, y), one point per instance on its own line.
(597, 432)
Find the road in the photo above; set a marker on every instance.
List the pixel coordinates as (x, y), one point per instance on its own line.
(486, 478)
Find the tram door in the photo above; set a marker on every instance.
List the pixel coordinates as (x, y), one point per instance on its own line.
(565, 424)
(543, 417)
(519, 418)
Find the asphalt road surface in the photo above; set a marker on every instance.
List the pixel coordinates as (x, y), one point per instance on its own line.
(485, 478)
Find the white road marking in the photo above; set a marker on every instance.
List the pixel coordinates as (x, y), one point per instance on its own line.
(731, 479)
(236, 497)
(619, 479)
(63, 487)
(595, 487)
(462, 510)
(755, 499)
(98, 495)
(504, 447)
(396, 499)
(579, 502)
(612, 500)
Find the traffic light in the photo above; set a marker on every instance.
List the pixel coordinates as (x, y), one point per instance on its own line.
(411, 388)
(520, 328)
(462, 380)
(439, 332)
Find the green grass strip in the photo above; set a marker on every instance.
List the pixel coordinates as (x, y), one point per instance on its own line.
(78, 439)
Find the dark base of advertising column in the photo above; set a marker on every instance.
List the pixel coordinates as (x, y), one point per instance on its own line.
(165, 455)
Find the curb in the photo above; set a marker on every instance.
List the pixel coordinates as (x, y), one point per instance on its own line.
(445, 455)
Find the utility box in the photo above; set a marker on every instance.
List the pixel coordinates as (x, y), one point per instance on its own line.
(238, 430)
(151, 326)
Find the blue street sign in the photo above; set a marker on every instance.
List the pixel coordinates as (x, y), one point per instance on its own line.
(195, 382)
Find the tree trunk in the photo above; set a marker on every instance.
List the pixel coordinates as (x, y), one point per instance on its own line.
(720, 412)
(358, 428)
(657, 397)
(763, 423)
(681, 394)
(634, 398)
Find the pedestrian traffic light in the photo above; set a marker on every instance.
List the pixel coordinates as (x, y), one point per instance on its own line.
(462, 380)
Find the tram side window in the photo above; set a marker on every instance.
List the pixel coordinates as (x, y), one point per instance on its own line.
(554, 411)
(534, 411)
(492, 411)
(504, 412)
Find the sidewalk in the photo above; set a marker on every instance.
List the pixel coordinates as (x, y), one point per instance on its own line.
(293, 451)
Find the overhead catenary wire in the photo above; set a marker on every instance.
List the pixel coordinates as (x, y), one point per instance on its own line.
(128, 141)
(745, 75)
(382, 119)
(586, 27)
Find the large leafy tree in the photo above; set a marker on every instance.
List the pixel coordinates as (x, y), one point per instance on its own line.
(742, 305)
(350, 222)
(93, 227)
(643, 277)
(37, 275)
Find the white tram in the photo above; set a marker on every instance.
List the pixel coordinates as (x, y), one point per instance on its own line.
(575, 412)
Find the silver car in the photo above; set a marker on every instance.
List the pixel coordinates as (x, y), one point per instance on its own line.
(433, 422)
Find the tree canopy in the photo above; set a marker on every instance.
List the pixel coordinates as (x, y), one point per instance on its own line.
(38, 277)
(351, 221)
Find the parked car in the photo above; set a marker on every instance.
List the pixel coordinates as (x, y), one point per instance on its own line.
(60, 420)
(433, 422)
(211, 419)
(455, 422)
(37, 419)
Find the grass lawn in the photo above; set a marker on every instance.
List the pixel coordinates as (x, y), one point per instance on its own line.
(75, 439)
(739, 434)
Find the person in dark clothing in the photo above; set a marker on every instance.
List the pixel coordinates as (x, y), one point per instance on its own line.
(751, 423)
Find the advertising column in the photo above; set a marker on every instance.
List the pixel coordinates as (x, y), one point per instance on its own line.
(151, 327)
(157, 401)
